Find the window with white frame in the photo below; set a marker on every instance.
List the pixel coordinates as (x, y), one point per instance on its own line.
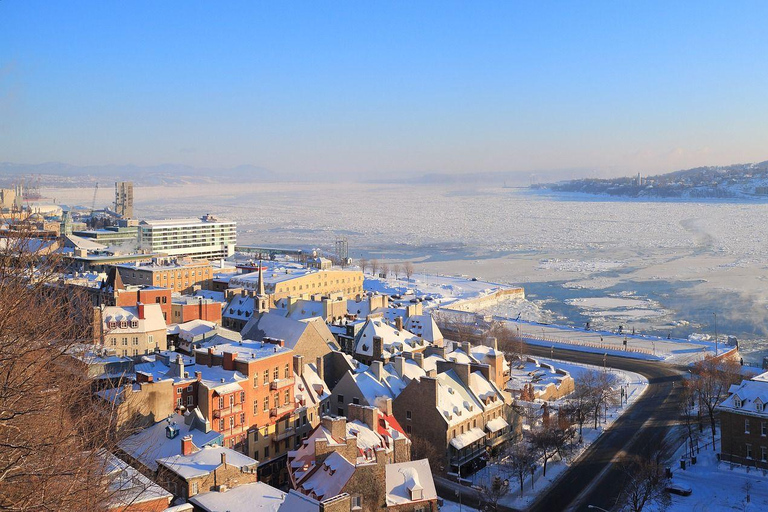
(746, 426)
(749, 451)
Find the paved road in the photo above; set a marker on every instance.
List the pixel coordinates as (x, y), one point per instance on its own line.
(593, 480)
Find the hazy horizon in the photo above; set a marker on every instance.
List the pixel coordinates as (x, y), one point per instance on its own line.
(313, 90)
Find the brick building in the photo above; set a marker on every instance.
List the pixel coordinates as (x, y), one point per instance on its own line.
(178, 275)
(744, 423)
(186, 308)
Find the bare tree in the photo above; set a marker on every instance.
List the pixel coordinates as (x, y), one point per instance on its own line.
(494, 491)
(507, 339)
(53, 432)
(689, 418)
(408, 269)
(711, 379)
(397, 269)
(645, 483)
(384, 270)
(363, 262)
(596, 391)
(374, 266)
(550, 440)
(520, 457)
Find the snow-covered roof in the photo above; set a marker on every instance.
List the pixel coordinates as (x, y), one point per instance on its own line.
(152, 443)
(330, 478)
(393, 341)
(408, 482)
(274, 325)
(484, 353)
(189, 330)
(247, 350)
(496, 424)
(454, 400)
(310, 386)
(204, 461)
(749, 397)
(239, 308)
(242, 498)
(128, 488)
(467, 438)
(121, 320)
(424, 326)
(530, 371)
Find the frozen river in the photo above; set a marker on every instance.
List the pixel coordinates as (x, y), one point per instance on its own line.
(658, 267)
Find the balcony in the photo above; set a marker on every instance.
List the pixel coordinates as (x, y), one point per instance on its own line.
(495, 441)
(226, 411)
(289, 432)
(280, 411)
(280, 383)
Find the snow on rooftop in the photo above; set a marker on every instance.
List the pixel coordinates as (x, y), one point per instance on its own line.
(242, 498)
(467, 438)
(328, 480)
(408, 482)
(204, 461)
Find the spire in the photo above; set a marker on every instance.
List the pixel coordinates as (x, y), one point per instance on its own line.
(261, 280)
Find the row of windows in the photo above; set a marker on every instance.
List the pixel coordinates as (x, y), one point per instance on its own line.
(275, 375)
(763, 453)
(124, 342)
(763, 428)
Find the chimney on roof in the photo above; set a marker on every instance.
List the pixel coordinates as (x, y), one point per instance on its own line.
(140, 308)
(378, 345)
(228, 360)
(466, 347)
(385, 404)
(210, 356)
(399, 323)
(418, 357)
(186, 445)
(198, 376)
(376, 369)
(298, 365)
(320, 368)
(493, 343)
(224, 459)
(399, 365)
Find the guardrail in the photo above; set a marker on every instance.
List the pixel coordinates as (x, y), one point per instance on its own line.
(590, 344)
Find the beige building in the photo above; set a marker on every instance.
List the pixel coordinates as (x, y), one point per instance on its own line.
(281, 282)
(131, 331)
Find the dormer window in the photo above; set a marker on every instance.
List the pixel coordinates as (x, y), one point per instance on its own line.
(134, 324)
(123, 324)
(737, 402)
(112, 324)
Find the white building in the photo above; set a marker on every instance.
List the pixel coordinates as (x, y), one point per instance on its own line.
(204, 238)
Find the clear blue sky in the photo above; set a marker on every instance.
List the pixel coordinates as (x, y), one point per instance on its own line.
(375, 87)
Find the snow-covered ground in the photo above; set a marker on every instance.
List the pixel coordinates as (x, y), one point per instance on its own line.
(635, 386)
(718, 486)
(444, 289)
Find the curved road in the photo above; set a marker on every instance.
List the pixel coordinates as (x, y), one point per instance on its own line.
(593, 480)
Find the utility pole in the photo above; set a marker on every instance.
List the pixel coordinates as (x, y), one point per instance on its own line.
(715, 332)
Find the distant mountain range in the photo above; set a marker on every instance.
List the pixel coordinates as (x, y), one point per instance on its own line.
(731, 181)
(57, 174)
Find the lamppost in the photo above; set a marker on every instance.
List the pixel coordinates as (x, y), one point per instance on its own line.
(542, 333)
(605, 356)
(715, 331)
(552, 352)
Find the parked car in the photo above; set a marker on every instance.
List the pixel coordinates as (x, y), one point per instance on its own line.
(678, 490)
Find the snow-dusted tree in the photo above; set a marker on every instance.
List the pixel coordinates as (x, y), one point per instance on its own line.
(363, 262)
(384, 270)
(397, 269)
(519, 459)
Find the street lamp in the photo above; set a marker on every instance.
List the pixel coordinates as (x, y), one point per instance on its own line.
(715, 331)
(605, 356)
(552, 352)
(542, 333)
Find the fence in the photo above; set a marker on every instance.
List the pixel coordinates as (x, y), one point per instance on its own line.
(580, 343)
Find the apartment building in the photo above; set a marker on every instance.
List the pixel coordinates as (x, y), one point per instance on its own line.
(185, 308)
(744, 423)
(178, 275)
(460, 411)
(203, 238)
(130, 330)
